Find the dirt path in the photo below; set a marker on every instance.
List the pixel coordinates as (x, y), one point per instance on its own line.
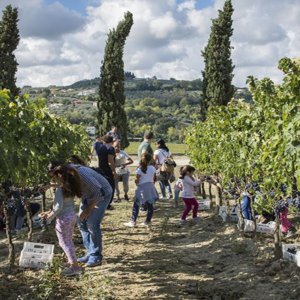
(209, 260)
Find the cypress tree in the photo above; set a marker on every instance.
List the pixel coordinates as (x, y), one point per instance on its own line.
(9, 40)
(217, 74)
(111, 88)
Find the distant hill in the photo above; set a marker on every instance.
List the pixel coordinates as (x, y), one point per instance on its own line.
(167, 106)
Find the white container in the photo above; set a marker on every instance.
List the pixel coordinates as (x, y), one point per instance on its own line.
(290, 256)
(223, 213)
(268, 228)
(204, 204)
(249, 226)
(234, 216)
(36, 255)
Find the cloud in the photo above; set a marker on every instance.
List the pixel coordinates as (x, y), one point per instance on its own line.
(59, 45)
(45, 21)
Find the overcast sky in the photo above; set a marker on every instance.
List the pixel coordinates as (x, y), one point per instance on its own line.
(63, 41)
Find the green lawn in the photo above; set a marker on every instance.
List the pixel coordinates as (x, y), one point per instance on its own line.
(178, 149)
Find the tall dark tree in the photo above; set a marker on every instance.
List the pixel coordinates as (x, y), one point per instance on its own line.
(9, 40)
(111, 89)
(218, 71)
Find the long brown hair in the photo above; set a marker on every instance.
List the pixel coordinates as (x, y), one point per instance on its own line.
(76, 159)
(145, 161)
(71, 183)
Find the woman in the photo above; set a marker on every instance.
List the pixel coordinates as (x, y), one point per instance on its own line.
(122, 172)
(106, 157)
(160, 155)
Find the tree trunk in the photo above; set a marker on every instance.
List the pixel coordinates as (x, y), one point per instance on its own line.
(240, 215)
(11, 248)
(44, 201)
(209, 191)
(253, 215)
(29, 220)
(277, 240)
(218, 200)
(203, 190)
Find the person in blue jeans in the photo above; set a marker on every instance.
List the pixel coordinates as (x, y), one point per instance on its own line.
(246, 207)
(96, 195)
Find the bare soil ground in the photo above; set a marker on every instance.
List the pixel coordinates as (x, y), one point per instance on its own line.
(209, 260)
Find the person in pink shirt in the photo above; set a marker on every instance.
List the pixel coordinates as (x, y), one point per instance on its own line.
(188, 193)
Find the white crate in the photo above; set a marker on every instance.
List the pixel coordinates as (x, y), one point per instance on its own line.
(249, 226)
(38, 248)
(35, 260)
(223, 213)
(234, 215)
(268, 228)
(204, 204)
(290, 256)
(36, 255)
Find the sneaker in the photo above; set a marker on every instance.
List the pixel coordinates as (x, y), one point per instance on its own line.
(83, 259)
(126, 197)
(146, 224)
(196, 220)
(93, 262)
(170, 197)
(72, 271)
(130, 224)
(110, 207)
(291, 232)
(182, 222)
(118, 199)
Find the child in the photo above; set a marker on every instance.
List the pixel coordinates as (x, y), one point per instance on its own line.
(177, 189)
(189, 183)
(68, 186)
(145, 193)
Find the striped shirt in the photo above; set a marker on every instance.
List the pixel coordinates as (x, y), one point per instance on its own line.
(94, 185)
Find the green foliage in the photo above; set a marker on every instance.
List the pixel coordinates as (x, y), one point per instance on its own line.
(111, 89)
(30, 137)
(256, 141)
(217, 74)
(9, 40)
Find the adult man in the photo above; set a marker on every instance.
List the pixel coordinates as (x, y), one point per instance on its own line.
(145, 146)
(114, 133)
(106, 157)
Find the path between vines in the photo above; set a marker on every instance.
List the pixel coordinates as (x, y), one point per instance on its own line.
(209, 260)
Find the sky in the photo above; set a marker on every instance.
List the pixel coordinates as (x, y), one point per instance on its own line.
(63, 41)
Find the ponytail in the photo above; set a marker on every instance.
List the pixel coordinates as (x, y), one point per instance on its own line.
(145, 161)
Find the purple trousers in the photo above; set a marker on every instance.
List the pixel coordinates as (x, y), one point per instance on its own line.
(189, 203)
(64, 230)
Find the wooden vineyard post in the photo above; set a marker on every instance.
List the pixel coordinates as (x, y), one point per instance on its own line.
(43, 201)
(29, 219)
(277, 240)
(11, 248)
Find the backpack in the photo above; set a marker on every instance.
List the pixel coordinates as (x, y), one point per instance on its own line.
(168, 165)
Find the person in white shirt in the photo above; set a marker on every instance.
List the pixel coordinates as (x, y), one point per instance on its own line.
(188, 192)
(145, 193)
(160, 155)
(122, 160)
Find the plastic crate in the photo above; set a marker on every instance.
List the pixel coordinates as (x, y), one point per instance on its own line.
(268, 228)
(36, 255)
(294, 257)
(223, 213)
(249, 225)
(204, 204)
(234, 214)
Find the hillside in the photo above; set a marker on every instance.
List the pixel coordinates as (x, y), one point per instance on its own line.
(166, 106)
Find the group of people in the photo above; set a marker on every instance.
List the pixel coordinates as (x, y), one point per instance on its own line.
(95, 187)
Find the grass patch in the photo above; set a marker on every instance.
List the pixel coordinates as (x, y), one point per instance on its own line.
(178, 149)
